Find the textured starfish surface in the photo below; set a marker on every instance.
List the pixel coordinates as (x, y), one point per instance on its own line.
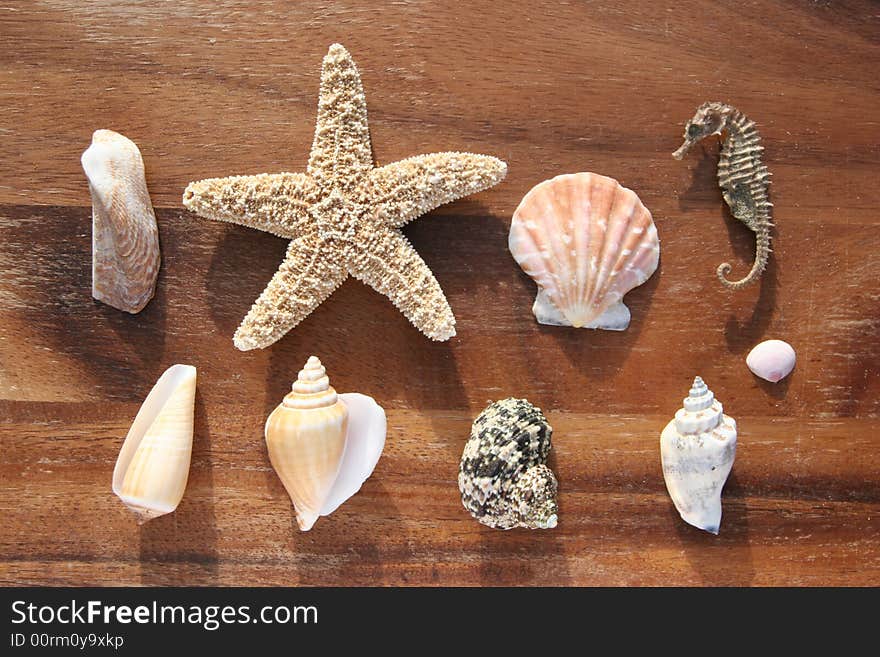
(343, 215)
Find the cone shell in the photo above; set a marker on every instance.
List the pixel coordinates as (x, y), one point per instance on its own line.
(586, 241)
(125, 238)
(697, 450)
(153, 466)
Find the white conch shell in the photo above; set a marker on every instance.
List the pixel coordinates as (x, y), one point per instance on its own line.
(586, 241)
(125, 238)
(153, 465)
(772, 360)
(323, 445)
(697, 450)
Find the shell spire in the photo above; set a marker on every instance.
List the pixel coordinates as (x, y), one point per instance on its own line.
(700, 411)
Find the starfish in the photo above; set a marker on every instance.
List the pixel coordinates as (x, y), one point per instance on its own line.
(343, 216)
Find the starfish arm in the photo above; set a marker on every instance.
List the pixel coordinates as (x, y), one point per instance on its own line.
(393, 268)
(305, 278)
(341, 149)
(275, 203)
(409, 188)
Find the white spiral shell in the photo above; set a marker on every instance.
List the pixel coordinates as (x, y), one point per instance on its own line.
(697, 450)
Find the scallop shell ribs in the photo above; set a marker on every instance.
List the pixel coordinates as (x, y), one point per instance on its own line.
(586, 241)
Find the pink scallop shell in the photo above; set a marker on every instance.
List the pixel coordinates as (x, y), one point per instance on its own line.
(586, 241)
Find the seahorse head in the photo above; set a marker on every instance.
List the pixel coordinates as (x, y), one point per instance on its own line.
(710, 119)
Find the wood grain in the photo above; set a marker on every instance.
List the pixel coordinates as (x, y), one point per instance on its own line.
(227, 87)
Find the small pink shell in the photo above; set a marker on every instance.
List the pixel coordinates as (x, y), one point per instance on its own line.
(772, 360)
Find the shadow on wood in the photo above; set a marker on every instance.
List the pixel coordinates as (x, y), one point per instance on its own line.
(189, 534)
(725, 559)
(741, 337)
(242, 264)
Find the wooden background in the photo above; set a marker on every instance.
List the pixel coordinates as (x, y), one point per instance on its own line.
(210, 89)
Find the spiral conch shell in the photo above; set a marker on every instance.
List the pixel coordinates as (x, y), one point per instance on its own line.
(153, 465)
(586, 241)
(125, 238)
(323, 446)
(697, 449)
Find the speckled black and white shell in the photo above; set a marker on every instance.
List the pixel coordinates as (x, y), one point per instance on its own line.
(503, 478)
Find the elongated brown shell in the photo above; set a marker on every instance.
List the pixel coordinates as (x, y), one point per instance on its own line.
(125, 238)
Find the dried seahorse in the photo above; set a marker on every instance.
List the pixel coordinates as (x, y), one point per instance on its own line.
(741, 174)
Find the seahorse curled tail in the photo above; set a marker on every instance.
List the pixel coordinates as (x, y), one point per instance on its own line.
(762, 255)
